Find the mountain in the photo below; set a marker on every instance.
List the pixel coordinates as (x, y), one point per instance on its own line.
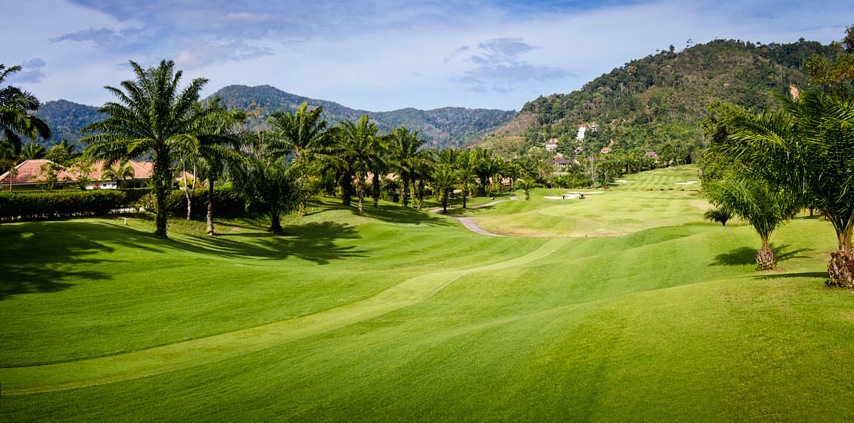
(66, 119)
(443, 128)
(658, 102)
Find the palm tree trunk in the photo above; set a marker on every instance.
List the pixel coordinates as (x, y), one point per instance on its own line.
(209, 229)
(275, 221)
(360, 193)
(420, 194)
(765, 259)
(404, 195)
(465, 194)
(376, 190)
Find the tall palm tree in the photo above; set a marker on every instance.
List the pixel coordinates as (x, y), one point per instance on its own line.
(466, 168)
(358, 148)
(422, 172)
(444, 179)
(302, 135)
(16, 113)
(220, 138)
(406, 151)
(150, 117)
(265, 181)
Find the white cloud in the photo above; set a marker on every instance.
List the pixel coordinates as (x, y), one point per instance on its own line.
(382, 55)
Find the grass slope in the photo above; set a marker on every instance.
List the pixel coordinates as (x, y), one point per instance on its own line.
(406, 316)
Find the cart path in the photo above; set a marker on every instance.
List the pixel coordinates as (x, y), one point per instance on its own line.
(470, 224)
(196, 352)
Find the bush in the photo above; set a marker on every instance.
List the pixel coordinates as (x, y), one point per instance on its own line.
(60, 204)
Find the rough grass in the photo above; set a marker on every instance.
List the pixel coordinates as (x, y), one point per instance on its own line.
(406, 316)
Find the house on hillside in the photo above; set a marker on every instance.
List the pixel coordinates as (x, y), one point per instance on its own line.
(35, 174)
(551, 145)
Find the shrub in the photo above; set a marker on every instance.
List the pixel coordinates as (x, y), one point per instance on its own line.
(60, 204)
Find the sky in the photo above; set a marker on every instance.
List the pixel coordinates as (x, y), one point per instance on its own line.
(380, 55)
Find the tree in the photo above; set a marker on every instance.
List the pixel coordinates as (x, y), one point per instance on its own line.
(32, 151)
(118, 171)
(526, 185)
(215, 145)
(444, 179)
(16, 113)
(406, 155)
(264, 180)
(758, 202)
(150, 117)
(466, 167)
(357, 151)
(302, 134)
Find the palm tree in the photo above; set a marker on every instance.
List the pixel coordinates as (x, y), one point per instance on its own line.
(444, 179)
(220, 139)
(405, 146)
(118, 171)
(808, 147)
(357, 150)
(304, 136)
(32, 151)
(466, 168)
(758, 202)
(422, 172)
(264, 180)
(526, 185)
(16, 113)
(150, 117)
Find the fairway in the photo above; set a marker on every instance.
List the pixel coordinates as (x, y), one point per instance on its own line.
(624, 306)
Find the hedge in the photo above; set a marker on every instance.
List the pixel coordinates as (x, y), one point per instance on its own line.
(227, 203)
(60, 204)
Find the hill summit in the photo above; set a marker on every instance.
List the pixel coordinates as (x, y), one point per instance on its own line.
(657, 102)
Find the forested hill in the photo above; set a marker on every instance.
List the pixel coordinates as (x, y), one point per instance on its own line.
(443, 128)
(66, 119)
(657, 103)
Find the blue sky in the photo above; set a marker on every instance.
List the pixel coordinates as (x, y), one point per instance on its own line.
(380, 55)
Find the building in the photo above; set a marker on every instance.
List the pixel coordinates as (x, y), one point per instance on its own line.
(37, 174)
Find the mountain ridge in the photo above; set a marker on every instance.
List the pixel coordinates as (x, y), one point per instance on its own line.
(443, 127)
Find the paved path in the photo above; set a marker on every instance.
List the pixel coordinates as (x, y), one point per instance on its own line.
(470, 224)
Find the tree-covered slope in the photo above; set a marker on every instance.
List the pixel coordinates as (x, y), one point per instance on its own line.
(66, 119)
(657, 102)
(445, 127)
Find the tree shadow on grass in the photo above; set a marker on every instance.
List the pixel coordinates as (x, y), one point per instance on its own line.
(44, 257)
(403, 215)
(746, 255)
(315, 242)
(820, 275)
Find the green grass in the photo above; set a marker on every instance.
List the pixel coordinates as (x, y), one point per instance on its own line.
(406, 316)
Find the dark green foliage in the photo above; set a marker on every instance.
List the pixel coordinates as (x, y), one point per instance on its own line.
(228, 202)
(656, 103)
(443, 128)
(66, 120)
(59, 204)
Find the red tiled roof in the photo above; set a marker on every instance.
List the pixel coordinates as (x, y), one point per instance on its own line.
(30, 172)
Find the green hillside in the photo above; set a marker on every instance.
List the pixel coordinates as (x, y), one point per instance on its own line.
(657, 102)
(445, 127)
